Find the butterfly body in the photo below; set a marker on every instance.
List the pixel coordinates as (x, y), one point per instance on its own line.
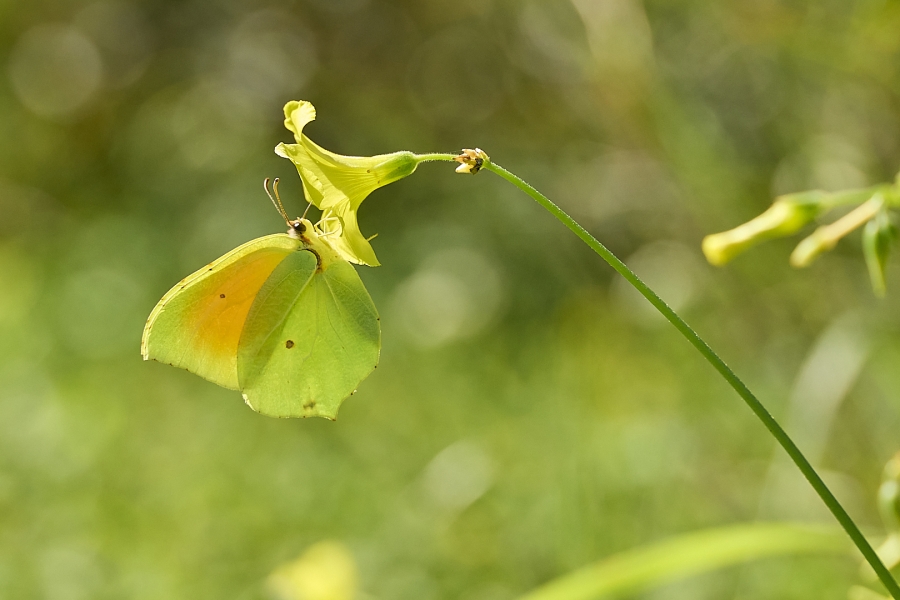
(282, 318)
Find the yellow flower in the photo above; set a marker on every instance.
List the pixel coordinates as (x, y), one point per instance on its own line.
(338, 184)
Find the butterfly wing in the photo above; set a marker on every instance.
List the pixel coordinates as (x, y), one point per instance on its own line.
(197, 325)
(311, 337)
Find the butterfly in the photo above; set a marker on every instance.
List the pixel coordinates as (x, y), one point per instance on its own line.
(283, 318)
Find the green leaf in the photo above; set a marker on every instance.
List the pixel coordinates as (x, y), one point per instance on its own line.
(878, 236)
(654, 565)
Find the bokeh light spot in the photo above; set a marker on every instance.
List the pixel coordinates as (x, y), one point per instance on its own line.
(453, 77)
(455, 294)
(674, 272)
(459, 475)
(55, 70)
(123, 36)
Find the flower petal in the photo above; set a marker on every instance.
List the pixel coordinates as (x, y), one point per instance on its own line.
(297, 113)
(338, 184)
(351, 244)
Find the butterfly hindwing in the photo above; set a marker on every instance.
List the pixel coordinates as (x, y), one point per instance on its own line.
(281, 294)
(197, 325)
(311, 336)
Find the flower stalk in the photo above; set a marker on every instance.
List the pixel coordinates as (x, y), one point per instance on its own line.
(758, 409)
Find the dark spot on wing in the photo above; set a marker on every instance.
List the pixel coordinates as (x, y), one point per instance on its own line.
(289, 344)
(221, 295)
(310, 405)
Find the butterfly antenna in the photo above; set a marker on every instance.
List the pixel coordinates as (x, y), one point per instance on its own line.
(276, 199)
(306, 211)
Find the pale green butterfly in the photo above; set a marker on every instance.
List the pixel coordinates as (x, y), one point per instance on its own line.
(283, 318)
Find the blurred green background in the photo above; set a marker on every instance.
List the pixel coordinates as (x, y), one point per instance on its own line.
(529, 414)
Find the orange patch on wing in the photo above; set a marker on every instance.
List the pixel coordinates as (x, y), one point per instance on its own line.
(218, 315)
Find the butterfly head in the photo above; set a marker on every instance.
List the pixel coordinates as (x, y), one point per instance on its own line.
(298, 227)
(312, 236)
(303, 230)
(314, 240)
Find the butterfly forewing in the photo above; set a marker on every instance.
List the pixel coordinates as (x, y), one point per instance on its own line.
(310, 338)
(197, 325)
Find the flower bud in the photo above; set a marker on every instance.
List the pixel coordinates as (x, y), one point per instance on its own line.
(471, 161)
(786, 215)
(826, 237)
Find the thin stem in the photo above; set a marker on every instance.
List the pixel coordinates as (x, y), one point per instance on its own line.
(435, 156)
(755, 405)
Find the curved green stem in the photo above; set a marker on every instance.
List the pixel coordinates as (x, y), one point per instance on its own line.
(719, 365)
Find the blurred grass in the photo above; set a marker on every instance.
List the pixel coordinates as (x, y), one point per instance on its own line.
(533, 420)
(687, 555)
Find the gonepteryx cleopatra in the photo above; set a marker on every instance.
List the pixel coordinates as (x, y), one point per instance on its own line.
(282, 318)
(285, 318)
